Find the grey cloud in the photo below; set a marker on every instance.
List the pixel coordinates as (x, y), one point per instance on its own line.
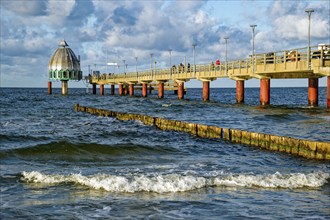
(124, 16)
(26, 8)
(80, 12)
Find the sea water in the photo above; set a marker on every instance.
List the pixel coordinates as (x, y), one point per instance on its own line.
(60, 164)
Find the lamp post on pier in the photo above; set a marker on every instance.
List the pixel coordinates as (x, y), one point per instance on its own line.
(309, 12)
(136, 58)
(194, 45)
(170, 52)
(253, 26)
(226, 39)
(151, 54)
(124, 67)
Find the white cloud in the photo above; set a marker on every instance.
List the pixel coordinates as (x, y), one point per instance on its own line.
(25, 8)
(136, 28)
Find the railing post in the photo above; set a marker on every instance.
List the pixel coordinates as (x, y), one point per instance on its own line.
(296, 59)
(322, 56)
(284, 57)
(247, 65)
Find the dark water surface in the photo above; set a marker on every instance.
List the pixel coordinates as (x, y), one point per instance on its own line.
(61, 164)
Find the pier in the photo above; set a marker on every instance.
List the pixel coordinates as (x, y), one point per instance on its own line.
(286, 64)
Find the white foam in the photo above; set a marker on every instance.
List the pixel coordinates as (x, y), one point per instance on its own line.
(161, 183)
(277, 180)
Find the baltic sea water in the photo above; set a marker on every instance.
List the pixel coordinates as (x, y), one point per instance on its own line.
(60, 164)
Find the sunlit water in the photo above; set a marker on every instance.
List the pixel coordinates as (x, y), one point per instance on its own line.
(60, 164)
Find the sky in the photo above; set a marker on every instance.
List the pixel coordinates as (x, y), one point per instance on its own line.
(113, 30)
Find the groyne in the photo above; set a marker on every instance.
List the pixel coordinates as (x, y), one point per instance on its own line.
(294, 146)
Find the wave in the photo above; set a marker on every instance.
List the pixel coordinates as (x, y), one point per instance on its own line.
(166, 183)
(21, 138)
(75, 151)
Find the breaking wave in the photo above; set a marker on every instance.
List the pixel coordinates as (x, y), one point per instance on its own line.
(165, 183)
(67, 151)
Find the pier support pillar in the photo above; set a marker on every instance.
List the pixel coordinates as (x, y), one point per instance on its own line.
(112, 89)
(131, 89)
(206, 91)
(50, 87)
(160, 90)
(180, 90)
(239, 91)
(64, 87)
(264, 91)
(94, 89)
(328, 96)
(120, 89)
(126, 89)
(101, 89)
(313, 87)
(144, 89)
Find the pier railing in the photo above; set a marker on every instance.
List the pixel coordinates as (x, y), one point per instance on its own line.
(294, 63)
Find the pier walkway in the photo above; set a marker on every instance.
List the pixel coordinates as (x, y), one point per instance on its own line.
(286, 64)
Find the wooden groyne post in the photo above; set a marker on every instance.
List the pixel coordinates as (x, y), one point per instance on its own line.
(294, 146)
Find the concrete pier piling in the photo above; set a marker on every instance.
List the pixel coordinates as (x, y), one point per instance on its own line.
(264, 91)
(101, 89)
(131, 89)
(121, 89)
(49, 87)
(239, 91)
(313, 87)
(94, 89)
(112, 89)
(144, 89)
(293, 146)
(160, 90)
(180, 90)
(206, 91)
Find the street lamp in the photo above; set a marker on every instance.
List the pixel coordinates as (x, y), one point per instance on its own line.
(194, 45)
(151, 54)
(226, 38)
(170, 52)
(136, 58)
(309, 12)
(124, 66)
(253, 26)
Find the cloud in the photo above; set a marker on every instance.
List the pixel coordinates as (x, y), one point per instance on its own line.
(119, 30)
(289, 21)
(26, 8)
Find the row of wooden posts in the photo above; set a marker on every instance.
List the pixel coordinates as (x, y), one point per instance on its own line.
(297, 147)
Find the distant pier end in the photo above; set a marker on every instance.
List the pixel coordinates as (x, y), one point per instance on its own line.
(63, 66)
